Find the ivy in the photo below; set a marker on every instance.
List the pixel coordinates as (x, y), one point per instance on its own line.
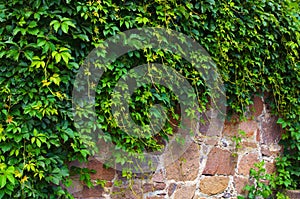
(255, 45)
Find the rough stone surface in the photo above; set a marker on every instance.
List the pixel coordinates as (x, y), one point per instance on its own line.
(220, 162)
(76, 186)
(158, 176)
(125, 192)
(232, 129)
(95, 192)
(249, 127)
(247, 162)
(159, 186)
(271, 131)
(270, 167)
(148, 187)
(213, 185)
(155, 197)
(257, 107)
(271, 150)
(293, 194)
(102, 173)
(171, 189)
(186, 168)
(240, 183)
(186, 192)
(249, 144)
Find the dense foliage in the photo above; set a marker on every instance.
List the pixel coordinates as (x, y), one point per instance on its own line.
(255, 45)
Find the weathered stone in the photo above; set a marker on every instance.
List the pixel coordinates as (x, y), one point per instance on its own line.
(232, 129)
(271, 150)
(95, 192)
(186, 192)
(211, 141)
(246, 144)
(271, 131)
(213, 185)
(171, 189)
(155, 197)
(247, 162)
(148, 187)
(76, 186)
(270, 167)
(220, 162)
(159, 186)
(258, 135)
(211, 125)
(293, 194)
(240, 183)
(249, 127)
(158, 176)
(125, 192)
(257, 107)
(186, 168)
(101, 172)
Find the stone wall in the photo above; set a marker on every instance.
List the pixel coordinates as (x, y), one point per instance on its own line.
(212, 167)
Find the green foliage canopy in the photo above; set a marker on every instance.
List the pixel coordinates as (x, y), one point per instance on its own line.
(43, 43)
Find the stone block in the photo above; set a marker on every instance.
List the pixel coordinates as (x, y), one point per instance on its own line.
(271, 131)
(240, 183)
(257, 107)
(186, 192)
(220, 162)
(95, 192)
(246, 163)
(171, 189)
(213, 185)
(101, 172)
(187, 167)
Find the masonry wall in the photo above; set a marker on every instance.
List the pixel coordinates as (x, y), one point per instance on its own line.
(212, 167)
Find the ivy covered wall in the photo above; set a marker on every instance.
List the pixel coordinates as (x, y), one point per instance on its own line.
(255, 45)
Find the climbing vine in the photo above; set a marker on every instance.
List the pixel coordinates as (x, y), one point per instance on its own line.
(255, 45)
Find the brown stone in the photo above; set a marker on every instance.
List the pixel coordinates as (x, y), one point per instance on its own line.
(171, 189)
(293, 194)
(230, 129)
(220, 162)
(271, 150)
(127, 192)
(158, 176)
(96, 192)
(186, 192)
(270, 167)
(257, 107)
(211, 141)
(210, 124)
(155, 197)
(186, 168)
(76, 186)
(240, 183)
(249, 127)
(258, 135)
(246, 144)
(101, 172)
(271, 131)
(213, 185)
(247, 162)
(147, 187)
(159, 186)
